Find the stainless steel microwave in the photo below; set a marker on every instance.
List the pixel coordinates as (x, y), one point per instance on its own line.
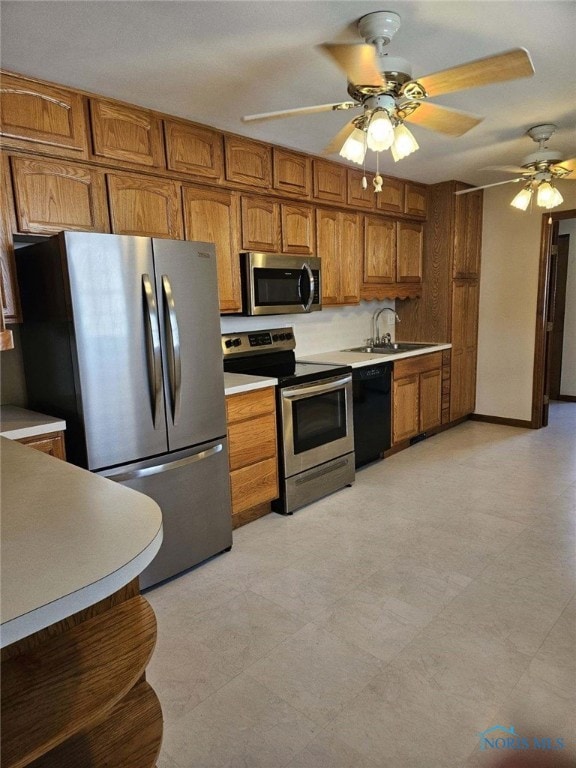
(273, 284)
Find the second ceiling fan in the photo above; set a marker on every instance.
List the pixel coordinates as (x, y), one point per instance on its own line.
(383, 87)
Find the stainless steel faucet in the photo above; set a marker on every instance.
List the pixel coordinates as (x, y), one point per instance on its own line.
(376, 331)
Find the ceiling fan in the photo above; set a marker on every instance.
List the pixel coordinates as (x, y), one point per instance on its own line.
(538, 170)
(382, 86)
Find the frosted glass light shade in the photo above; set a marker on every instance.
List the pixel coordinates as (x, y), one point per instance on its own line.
(354, 148)
(548, 196)
(380, 131)
(404, 143)
(522, 199)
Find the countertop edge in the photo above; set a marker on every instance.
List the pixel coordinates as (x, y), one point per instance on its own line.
(28, 623)
(236, 383)
(17, 423)
(362, 359)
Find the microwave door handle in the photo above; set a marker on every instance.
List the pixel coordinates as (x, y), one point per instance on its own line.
(173, 349)
(153, 347)
(311, 287)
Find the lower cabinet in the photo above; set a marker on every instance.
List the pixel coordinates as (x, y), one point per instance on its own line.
(252, 449)
(51, 443)
(417, 395)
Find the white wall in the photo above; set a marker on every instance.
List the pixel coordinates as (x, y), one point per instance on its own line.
(508, 297)
(321, 331)
(568, 381)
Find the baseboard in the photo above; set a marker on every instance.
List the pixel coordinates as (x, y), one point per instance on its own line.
(566, 398)
(501, 420)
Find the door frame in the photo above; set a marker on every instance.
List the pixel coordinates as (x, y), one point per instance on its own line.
(539, 407)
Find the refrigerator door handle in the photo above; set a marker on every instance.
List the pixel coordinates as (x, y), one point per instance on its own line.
(122, 476)
(173, 349)
(153, 348)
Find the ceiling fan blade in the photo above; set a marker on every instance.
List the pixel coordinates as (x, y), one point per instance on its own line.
(492, 69)
(485, 186)
(506, 169)
(442, 119)
(343, 105)
(338, 140)
(570, 165)
(358, 61)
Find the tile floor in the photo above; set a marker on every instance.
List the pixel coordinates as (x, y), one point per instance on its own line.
(390, 623)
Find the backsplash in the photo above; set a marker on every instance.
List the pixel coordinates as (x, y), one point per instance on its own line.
(324, 331)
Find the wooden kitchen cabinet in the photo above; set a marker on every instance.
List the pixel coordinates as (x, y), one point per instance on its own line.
(297, 228)
(194, 150)
(415, 199)
(53, 195)
(253, 462)
(392, 258)
(51, 443)
(392, 196)
(356, 195)
(248, 161)
(42, 117)
(417, 395)
(126, 133)
(467, 234)
(260, 224)
(329, 181)
(292, 172)
(144, 206)
(213, 216)
(339, 237)
(8, 283)
(465, 297)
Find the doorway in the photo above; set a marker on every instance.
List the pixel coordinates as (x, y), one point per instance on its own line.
(549, 317)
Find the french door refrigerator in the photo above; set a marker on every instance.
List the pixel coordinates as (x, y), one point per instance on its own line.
(121, 337)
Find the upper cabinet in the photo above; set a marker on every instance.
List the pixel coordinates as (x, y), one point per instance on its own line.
(339, 237)
(144, 206)
(467, 234)
(329, 181)
(356, 195)
(126, 133)
(248, 162)
(52, 195)
(8, 286)
(392, 196)
(292, 173)
(297, 227)
(392, 258)
(49, 116)
(194, 150)
(415, 199)
(275, 227)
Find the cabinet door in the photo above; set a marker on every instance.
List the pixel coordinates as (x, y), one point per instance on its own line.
(409, 252)
(350, 260)
(52, 444)
(194, 150)
(379, 250)
(213, 216)
(292, 172)
(298, 234)
(406, 408)
(464, 335)
(327, 231)
(248, 162)
(356, 195)
(144, 206)
(121, 132)
(467, 234)
(415, 199)
(8, 282)
(329, 181)
(53, 195)
(392, 196)
(47, 114)
(260, 224)
(430, 399)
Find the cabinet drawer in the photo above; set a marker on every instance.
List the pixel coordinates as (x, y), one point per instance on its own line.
(251, 441)
(52, 444)
(246, 405)
(417, 364)
(254, 485)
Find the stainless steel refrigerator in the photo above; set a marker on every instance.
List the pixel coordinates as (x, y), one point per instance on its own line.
(121, 337)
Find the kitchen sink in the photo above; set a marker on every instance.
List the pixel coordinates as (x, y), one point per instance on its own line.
(390, 349)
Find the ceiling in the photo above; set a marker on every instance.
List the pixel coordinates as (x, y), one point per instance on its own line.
(213, 62)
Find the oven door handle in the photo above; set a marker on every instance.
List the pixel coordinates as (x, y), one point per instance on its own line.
(311, 287)
(305, 390)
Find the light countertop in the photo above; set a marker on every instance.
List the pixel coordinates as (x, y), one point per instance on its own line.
(234, 383)
(361, 359)
(69, 539)
(16, 423)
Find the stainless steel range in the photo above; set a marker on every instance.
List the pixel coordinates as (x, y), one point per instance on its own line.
(314, 410)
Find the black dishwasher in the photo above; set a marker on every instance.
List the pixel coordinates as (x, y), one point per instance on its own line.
(372, 386)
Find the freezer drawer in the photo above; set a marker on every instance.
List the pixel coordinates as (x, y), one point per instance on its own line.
(192, 488)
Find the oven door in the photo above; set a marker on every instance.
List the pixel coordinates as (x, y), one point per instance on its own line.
(316, 423)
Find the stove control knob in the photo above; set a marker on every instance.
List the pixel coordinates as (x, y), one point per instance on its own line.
(237, 342)
(275, 337)
(288, 335)
(282, 336)
(228, 343)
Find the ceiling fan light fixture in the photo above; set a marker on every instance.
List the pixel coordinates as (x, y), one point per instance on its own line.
(548, 196)
(522, 199)
(404, 143)
(380, 131)
(354, 148)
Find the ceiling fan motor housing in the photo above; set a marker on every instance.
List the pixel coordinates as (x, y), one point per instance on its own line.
(379, 28)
